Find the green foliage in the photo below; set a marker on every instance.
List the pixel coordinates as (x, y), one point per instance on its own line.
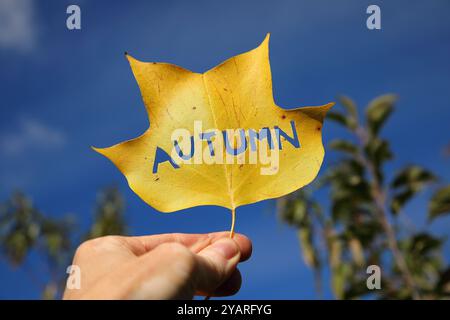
(340, 118)
(108, 215)
(439, 203)
(19, 226)
(407, 183)
(297, 215)
(360, 226)
(24, 229)
(344, 146)
(378, 112)
(351, 108)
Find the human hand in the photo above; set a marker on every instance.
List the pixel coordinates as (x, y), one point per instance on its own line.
(166, 266)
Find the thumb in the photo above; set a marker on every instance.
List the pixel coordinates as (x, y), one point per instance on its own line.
(215, 264)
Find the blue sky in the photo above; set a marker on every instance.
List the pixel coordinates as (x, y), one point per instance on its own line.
(63, 91)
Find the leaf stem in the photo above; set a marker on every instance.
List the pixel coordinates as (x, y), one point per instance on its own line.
(233, 220)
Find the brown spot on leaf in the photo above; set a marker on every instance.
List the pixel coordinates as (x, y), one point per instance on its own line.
(319, 128)
(157, 179)
(283, 116)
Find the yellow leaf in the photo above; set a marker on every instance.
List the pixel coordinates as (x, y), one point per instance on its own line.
(236, 94)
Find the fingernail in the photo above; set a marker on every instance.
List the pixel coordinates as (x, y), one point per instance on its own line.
(225, 247)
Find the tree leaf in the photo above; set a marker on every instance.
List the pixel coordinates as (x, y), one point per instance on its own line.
(443, 285)
(56, 238)
(236, 94)
(340, 275)
(424, 243)
(109, 215)
(335, 247)
(439, 203)
(407, 183)
(378, 111)
(365, 231)
(342, 119)
(349, 105)
(308, 250)
(412, 176)
(20, 228)
(378, 151)
(357, 251)
(344, 146)
(400, 199)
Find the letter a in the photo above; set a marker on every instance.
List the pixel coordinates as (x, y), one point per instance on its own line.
(74, 20)
(374, 280)
(74, 279)
(374, 20)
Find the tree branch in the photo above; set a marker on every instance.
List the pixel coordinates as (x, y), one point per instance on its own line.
(380, 206)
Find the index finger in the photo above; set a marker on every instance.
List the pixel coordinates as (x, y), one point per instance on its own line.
(195, 242)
